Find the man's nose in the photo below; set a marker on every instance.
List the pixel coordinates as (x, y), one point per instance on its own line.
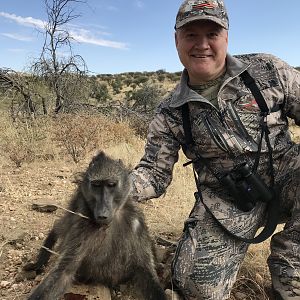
(202, 43)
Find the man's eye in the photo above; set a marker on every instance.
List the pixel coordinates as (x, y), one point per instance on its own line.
(212, 35)
(190, 35)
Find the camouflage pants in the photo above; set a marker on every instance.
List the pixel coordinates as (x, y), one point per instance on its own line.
(207, 259)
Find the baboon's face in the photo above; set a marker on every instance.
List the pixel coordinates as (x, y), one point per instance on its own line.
(105, 188)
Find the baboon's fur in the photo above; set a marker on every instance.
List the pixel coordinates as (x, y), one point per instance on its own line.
(113, 246)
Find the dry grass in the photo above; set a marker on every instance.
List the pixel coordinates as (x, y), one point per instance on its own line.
(26, 141)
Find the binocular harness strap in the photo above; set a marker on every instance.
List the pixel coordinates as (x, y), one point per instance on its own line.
(273, 205)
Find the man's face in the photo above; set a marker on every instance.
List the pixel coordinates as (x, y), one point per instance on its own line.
(202, 48)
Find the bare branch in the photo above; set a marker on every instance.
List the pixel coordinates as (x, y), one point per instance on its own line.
(59, 71)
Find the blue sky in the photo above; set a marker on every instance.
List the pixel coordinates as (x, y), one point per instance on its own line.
(116, 36)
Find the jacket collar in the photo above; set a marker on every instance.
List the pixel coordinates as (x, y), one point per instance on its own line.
(183, 94)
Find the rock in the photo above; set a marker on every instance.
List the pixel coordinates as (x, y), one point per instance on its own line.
(41, 236)
(172, 295)
(14, 286)
(19, 246)
(5, 284)
(44, 207)
(88, 292)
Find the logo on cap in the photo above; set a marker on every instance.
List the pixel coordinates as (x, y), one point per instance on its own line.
(206, 4)
(192, 10)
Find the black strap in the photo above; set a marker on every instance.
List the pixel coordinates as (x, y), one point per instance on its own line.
(187, 125)
(272, 207)
(250, 83)
(269, 226)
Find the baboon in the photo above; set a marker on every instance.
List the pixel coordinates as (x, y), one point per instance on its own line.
(111, 246)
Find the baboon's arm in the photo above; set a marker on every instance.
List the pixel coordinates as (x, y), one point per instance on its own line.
(55, 284)
(44, 255)
(148, 285)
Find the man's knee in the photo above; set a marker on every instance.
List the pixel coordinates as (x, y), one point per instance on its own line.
(205, 272)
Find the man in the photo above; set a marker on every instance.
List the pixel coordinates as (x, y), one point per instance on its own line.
(224, 136)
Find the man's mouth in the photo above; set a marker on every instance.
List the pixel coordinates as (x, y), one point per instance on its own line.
(200, 56)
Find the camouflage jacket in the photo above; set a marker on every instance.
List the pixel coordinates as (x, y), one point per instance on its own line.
(225, 135)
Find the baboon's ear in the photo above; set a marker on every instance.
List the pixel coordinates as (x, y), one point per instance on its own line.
(98, 155)
(78, 177)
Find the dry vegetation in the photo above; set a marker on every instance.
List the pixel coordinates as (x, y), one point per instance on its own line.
(39, 159)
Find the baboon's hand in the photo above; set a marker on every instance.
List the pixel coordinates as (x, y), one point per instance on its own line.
(47, 290)
(33, 267)
(30, 267)
(36, 295)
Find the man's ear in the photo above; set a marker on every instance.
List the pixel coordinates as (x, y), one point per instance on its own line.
(176, 38)
(227, 36)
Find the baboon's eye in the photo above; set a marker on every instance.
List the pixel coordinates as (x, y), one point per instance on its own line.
(96, 183)
(111, 183)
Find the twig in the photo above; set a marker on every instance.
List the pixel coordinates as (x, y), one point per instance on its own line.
(2, 246)
(51, 251)
(72, 212)
(61, 207)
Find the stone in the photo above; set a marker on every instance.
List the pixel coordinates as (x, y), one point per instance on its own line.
(88, 292)
(172, 295)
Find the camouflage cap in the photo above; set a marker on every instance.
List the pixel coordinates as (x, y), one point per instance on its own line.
(193, 10)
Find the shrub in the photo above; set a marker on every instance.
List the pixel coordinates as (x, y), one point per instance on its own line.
(117, 86)
(80, 134)
(101, 92)
(26, 140)
(146, 98)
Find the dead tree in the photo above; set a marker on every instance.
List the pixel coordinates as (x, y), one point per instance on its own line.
(13, 81)
(62, 74)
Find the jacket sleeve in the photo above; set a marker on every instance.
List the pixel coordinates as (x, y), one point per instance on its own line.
(153, 174)
(290, 80)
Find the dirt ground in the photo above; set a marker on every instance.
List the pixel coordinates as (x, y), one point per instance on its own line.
(22, 229)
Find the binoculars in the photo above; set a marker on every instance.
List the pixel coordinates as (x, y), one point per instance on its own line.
(246, 187)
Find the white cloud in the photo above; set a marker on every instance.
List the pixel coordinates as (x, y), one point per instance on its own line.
(81, 35)
(18, 37)
(27, 21)
(84, 36)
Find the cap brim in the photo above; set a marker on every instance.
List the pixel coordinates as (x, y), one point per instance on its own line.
(198, 18)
